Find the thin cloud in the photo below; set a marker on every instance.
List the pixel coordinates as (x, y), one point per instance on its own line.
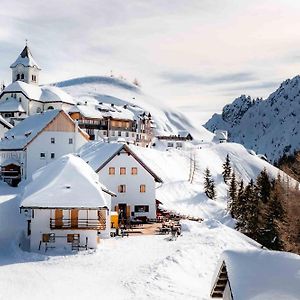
(185, 78)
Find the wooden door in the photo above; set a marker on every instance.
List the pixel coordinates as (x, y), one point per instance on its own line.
(128, 211)
(58, 218)
(74, 218)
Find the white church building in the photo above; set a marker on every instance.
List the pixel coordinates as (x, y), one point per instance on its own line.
(24, 97)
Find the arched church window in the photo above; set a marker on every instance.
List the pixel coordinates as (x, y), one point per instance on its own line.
(50, 107)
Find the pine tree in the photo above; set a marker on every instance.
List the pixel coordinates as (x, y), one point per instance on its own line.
(209, 185)
(263, 184)
(248, 216)
(226, 169)
(232, 194)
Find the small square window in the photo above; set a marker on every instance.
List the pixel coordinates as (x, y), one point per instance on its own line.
(142, 188)
(52, 155)
(111, 171)
(134, 171)
(70, 141)
(42, 155)
(122, 171)
(52, 140)
(122, 188)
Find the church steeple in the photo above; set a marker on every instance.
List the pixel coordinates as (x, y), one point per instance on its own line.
(25, 68)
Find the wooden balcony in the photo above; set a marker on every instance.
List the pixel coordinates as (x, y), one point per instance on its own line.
(81, 224)
(10, 174)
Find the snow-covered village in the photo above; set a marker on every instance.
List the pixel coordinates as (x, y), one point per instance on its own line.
(143, 152)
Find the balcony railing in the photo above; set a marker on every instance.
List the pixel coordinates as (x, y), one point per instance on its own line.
(10, 174)
(91, 224)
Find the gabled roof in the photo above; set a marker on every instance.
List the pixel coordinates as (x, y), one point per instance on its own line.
(43, 94)
(11, 105)
(99, 154)
(5, 123)
(27, 130)
(258, 274)
(26, 59)
(68, 182)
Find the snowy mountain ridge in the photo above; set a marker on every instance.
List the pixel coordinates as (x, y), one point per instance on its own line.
(270, 127)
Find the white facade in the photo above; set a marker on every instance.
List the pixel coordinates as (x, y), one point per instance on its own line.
(132, 196)
(41, 151)
(38, 223)
(42, 144)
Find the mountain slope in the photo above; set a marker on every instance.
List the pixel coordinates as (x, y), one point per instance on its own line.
(95, 89)
(269, 127)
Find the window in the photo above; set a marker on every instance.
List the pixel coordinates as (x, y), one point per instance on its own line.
(141, 208)
(48, 237)
(111, 171)
(33, 77)
(50, 107)
(170, 144)
(20, 99)
(70, 141)
(22, 76)
(127, 134)
(119, 133)
(134, 171)
(42, 155)
(122, 171)
(122, 188)
(52, 140)
(142, 188)
(52, 155)
(18, 76)
(38, 110)
(112, 133)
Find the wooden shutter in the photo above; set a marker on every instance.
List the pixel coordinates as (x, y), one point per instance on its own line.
(46, 237)
(58, 218)
(74, 218)
(128, 211)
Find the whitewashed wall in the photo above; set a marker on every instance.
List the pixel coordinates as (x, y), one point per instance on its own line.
(132, 196)
(43, 144)
(40, 224)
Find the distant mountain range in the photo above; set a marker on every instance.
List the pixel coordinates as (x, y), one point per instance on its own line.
(270, 127)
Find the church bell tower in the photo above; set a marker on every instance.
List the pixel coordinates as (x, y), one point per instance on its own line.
(25, 68)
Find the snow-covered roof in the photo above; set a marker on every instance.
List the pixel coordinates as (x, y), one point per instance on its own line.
(262, 274)
(24, 132)
(115, 112)
(87, 111)
(68, 182)
(45, 93)
(26, 59)
(98, 154)
(55, 94)
(5, 123)
(11, 161)
(11, 105)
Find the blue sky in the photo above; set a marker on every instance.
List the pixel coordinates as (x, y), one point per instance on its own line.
(193, 54)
